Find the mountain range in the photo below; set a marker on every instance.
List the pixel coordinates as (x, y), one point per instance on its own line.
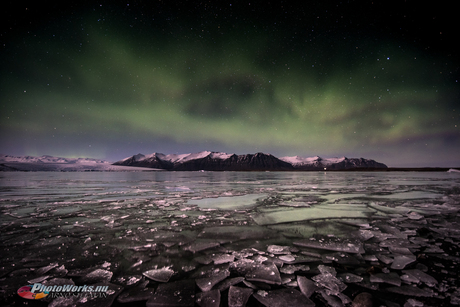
(218, 161)
(205, 160)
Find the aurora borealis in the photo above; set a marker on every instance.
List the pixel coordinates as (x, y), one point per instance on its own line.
(110, 79)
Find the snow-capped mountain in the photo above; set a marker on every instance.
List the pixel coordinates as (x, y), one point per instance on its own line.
(50, 163)
(171, 158)
(318, 163)
(218, 161)
(47, 159)
(207, 160)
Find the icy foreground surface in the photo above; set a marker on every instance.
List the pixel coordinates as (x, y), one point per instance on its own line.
(232, 238)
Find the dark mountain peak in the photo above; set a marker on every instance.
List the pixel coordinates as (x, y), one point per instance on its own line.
(259, 161)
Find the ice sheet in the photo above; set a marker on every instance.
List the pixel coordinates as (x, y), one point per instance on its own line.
(228, 203)
(330, 211)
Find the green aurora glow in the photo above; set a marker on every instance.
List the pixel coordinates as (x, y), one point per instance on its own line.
(97, 85)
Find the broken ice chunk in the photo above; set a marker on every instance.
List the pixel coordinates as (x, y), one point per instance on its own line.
(205, 259)
(400, 250)
(38, 279)
(229, 282)
(392, 230)
(307, 287)
(129, 280)
(414, 216)
(160, 275)
(243, 266)
(288, 279)
(329, 281)
(326, 211)
(349, 277)
(390, 278)
(400, 262)
(252, 286)
(136, 264)
(145, 247)
(208, 299)
(206, 284)
(334, 244)
(287, 258)
(223, 258)
(265, 273)
(397, 242)
(59, 271)
(371, 258)
(277, 249)
(259, 258)
(238, 297)
(365, 234)
(409, 279)
(291, 269)
(327, 269)
(283, 298)
(209, 270)
(423, 277)
(45, 269)
(176, 294)
(188, 268)
(385, 259)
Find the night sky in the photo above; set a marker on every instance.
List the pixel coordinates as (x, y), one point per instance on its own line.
(109, 79)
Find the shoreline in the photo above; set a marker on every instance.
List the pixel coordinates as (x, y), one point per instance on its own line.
(5, 168)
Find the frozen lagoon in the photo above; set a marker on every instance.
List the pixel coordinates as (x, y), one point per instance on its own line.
(260, 239)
